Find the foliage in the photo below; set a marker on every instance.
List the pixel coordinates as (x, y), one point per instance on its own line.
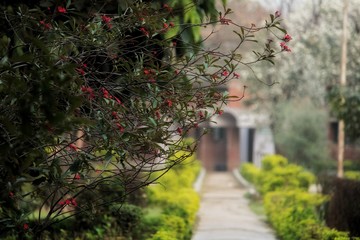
(94, 96)
(277, 174)
(300, 133)
(291, 209)
(354, 175)
(345, 105)
(293, 215)
(311, 74)
(269, 162)
(178, 202)
(250, 172)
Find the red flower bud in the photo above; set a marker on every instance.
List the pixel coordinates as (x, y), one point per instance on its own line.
(73, 146)
(61, 9)
(26, 226)
(77, 176)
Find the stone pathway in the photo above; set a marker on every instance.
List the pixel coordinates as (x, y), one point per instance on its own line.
(224, 212)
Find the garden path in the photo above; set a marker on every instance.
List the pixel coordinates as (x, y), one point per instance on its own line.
(224, 212)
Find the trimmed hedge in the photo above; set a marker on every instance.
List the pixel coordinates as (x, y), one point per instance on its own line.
(292, 211)
(176, 201)
(277, 174)
(294, 215)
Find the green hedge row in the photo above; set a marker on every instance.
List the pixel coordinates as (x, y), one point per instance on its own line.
(173, 203)
(292, 211)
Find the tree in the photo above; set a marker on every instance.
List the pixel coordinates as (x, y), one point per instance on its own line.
(312, 72)
(96, 96)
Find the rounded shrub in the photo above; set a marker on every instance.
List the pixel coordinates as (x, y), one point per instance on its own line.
(281, 177)
(271, 161)
(290, 212)
(250, 172)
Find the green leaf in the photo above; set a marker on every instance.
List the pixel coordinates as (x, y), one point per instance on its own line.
(281, 29)
(152, 121)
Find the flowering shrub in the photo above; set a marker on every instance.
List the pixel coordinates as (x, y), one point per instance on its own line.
(101, 93)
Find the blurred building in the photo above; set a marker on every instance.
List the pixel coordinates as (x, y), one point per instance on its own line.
(238, 135)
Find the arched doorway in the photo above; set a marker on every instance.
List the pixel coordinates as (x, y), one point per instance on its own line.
(219, 149)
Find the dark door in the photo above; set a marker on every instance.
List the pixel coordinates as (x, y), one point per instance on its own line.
(220, 149)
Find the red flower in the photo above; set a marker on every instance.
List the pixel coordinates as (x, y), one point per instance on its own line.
(225, 21)
(225, 73)
(157, 113)
(77, 176)
(284, 47)
(220, 112)
(287, 49)
(120, 127)
(80, 71)
(277, 14)
(167, 7)
(147, 71)
(172, 24)
(106, 19)
(88, 90)
(73, 202)
(26, 226)
(144, 31)
(114, 114)
(46, 26)
(165, 26)
(236, 75)
(106, 93)
(201, 115)
(61, 9)
(117, 100)
(73, 146)
(69, 201)
(11, 194)
(179, 130)
(287, 38)
(169, 102)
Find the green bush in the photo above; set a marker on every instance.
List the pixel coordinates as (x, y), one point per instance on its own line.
(284, 177)
(290, 212)
(175, 201)
(295, 123)
(163, 235)
(353, 175)
(250, 172)
(277, 174)
(317, 231)
(271, 161)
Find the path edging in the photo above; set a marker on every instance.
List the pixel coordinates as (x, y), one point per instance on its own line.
(199, 180)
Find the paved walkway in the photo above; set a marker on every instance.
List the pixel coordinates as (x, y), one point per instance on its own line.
(224, 213)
